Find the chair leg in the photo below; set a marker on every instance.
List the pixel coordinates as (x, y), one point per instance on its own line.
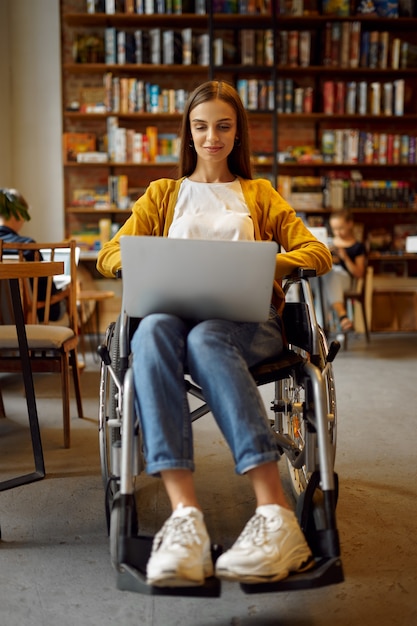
(77, 383)
(365, 323)
(65, 399)
(2, 409)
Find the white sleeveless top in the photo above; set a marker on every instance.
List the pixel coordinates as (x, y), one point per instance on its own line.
(211, 211)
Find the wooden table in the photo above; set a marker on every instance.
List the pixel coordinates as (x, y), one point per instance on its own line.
(12, 271)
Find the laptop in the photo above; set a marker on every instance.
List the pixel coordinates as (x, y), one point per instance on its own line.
(197, 279)
(64, 256)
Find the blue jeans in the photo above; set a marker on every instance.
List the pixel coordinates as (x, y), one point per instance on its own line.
(217, 354)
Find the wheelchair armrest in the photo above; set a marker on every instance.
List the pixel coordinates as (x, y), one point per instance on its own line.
(301, 272)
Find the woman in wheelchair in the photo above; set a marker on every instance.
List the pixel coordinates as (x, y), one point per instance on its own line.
(215, 198)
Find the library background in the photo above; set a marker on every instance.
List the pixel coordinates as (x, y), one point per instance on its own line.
(331, 91)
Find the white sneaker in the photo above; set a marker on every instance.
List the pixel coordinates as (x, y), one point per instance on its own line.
(180, 554)
(270, 546)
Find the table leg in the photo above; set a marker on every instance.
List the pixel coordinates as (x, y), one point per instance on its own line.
(39, 472)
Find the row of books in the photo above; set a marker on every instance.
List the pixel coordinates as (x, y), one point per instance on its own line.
(342, 190)
(149, 7)
(125, 145)
(349, 193)
(363, 98)
(351, 145)
(115, 195)
(256, 94)
(345, 8)
(121, 145)
(156, 46)
(131, 95)
(345, 45)
(292, 98)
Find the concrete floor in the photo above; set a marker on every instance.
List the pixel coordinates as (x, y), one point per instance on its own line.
(54, 557)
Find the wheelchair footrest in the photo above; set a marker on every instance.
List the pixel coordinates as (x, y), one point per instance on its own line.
(131, 575)
(327, 571)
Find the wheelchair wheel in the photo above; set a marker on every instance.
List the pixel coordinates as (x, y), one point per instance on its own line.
(109, 429)
(299, 399)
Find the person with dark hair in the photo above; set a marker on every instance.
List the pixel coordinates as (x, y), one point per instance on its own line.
(349, 262)
(215, 198)
(14, 212)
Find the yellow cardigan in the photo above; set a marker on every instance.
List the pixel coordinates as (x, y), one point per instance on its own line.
(273, 220)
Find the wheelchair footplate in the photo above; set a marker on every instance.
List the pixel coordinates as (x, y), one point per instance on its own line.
(131, 574)
(325, 571)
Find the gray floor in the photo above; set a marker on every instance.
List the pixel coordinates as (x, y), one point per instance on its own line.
(54, 560)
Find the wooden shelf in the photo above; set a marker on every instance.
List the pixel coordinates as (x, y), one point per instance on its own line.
(133, 68)
(271, 133)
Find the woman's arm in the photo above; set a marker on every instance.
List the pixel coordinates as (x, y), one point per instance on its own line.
(147, 219)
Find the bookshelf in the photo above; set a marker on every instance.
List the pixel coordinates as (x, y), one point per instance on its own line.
(347, 114)
(325, 118)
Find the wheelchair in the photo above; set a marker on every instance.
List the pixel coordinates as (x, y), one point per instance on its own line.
(303, 419)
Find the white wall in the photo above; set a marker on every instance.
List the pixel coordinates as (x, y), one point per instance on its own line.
(30, 111)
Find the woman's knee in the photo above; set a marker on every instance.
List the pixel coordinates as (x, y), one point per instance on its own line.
(153, 327)
(207, 335)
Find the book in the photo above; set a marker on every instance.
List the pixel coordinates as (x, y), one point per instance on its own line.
(340, 97)
(269, 47)
(304, 48)
(187, 46)
(341, 8)
(395, 53)
(288, 95)
(155, 44)
(363, 97)
(283, 47)
(388, 91)
(364, 49)
(293, 38)
(354, 49)
(121, 47)
(373, 49)
(328, 97)
(247, 47)
(76, 143)
(327, 44)
(351, 98)
(328, 145)
(110, 45)
(335, 43)
(399, 85)
(120, 145)
(383, 50)
(375, 98)
(345, 44)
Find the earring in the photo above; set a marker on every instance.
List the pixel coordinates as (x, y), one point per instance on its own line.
(237, 141)
(191, 143)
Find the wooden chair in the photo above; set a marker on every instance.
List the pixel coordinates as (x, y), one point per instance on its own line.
(52, 345)
(358, 293)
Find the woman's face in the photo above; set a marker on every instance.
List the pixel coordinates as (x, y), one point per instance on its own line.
(213, 129)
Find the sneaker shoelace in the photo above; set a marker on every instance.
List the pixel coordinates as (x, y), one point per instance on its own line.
(255, 531)
(177, 530)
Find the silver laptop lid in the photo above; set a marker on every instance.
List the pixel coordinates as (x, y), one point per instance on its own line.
(197, 278)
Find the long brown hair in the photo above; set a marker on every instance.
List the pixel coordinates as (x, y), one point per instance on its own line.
(239, 159)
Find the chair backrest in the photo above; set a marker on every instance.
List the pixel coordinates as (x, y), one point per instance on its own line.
(39, 295)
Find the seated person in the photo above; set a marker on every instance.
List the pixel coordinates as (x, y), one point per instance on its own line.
(14, 212)
(215, 197)
(349, 262)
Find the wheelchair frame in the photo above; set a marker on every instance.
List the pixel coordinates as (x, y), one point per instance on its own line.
(304, 424)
